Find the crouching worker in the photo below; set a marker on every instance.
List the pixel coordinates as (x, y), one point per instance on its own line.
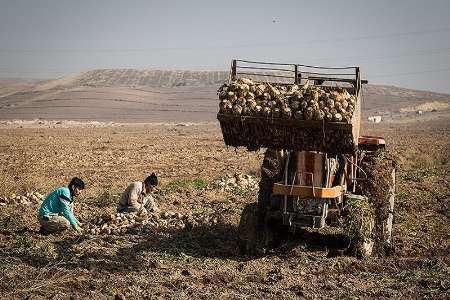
(56, 212)
(137, 197)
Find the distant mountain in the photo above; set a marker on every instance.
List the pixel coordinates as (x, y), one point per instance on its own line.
(132, 95)
(145, 78)
(379, 99)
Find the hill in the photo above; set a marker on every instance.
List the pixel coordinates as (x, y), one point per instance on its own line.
(130, 95)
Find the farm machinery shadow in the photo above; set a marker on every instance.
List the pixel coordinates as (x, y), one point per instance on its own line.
(140, 251)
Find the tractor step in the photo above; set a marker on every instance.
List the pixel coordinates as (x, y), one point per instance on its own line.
(312, 220)
(297, 220)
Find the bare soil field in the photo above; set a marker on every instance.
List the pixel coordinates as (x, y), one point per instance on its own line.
(11, 86)
(201, 261)
(111, 127)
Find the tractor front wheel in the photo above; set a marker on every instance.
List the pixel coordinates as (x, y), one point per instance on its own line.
(249, 233)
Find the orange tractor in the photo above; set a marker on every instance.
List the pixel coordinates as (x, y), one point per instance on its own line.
(316, 173)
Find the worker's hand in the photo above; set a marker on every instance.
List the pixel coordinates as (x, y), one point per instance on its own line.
(78, 229)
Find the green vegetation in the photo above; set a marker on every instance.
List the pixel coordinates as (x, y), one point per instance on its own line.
(4, 265)
(10, 223)
(180, 184)
(242, 191)
(30, 249)
(419, 175)
(358, 218)
(199, 183)
(431, 274)
(108, 197)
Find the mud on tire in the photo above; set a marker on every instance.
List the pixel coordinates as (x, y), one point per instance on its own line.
(379, 187)
(271, 172)
(257, 230)
(358, 225)
(249, 233)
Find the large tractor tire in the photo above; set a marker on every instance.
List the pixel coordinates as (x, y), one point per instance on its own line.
(250, 234)
(379, 187)
(257, 228)
(359, 221)
(271, 172)
(269, 215)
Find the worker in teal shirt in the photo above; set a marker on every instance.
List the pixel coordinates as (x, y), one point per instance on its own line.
(56, 212)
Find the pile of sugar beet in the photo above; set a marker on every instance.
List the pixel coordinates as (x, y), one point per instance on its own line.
(143, 221)
(303, 102)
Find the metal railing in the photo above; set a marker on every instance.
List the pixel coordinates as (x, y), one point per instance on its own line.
(295, 73)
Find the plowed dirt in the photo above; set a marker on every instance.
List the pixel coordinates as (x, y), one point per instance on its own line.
(202, 261)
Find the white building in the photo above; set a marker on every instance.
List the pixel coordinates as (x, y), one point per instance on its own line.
(374, 119)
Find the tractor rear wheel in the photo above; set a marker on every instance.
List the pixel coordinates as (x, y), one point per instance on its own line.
(379, 187)
(271, 172)
(359, 221)
(256, 230)
(249, 233)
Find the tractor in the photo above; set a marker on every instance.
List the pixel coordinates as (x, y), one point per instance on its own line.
(311, 181)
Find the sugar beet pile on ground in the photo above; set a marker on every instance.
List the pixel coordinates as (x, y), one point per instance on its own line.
(26, 199)
(302, 102)
(121, 223)
(143, 221)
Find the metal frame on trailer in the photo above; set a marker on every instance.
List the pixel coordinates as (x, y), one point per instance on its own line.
(297, 72)
(348, 78)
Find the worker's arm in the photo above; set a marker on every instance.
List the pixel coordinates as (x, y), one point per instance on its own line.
(66, 209)
(134, 197)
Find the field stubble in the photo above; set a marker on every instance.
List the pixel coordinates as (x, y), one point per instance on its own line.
(201, 261)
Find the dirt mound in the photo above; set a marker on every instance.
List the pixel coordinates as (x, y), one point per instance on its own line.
(427, 106)
(66, 81)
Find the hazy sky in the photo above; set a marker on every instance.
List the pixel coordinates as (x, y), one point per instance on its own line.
(404, 43)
